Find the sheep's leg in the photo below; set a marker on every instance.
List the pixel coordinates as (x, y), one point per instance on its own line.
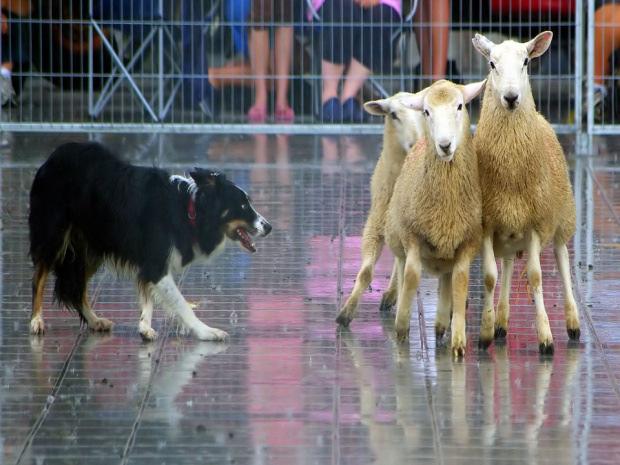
(371, 250)
(503, 307)
(390, 295)
(570, 307)
(410, 281)
(444, 305)
(534, 276)
(489, 267)
(460, 282)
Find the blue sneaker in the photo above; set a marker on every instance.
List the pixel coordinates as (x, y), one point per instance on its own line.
(331, 111)
(352, 111)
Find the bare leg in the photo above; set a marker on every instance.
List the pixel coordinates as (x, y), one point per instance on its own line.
(354, 80)
(38, 286)
(172, 299)
(410, 282)
(444, 305)
(534, 276)
(391, 294)
(433, 37)
(489, 270)
(571, 313)
(503, 307)
(332, 73)
(283, 44)
(259, 60)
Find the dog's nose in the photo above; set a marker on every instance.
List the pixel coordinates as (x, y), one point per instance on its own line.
(511, 100)
(445, 148)
(267, 228)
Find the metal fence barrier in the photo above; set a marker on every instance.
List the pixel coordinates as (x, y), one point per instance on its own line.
(269, 65)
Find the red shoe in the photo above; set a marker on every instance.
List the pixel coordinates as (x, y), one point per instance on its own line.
(257, 115)
(285, 115)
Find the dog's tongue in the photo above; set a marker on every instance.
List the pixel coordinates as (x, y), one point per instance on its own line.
(246, 240)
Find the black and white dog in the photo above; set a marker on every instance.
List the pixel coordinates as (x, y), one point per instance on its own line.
(87, 206)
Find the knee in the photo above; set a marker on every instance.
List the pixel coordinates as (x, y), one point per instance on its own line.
(534, 277)
(489, 281)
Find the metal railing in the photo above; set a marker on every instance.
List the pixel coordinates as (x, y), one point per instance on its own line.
(197, 65)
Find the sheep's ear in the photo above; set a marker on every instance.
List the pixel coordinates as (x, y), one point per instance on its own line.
(378, 107)
(414, 101)
(471, 91)
(483, 45)
(539, 44)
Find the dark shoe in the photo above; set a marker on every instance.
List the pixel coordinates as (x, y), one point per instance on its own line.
(352, 111)
(203, 96)
(331, 112)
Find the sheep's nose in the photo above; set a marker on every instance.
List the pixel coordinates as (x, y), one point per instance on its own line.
(445, 148)
(511, 100)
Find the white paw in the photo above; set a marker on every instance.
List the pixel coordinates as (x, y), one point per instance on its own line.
(37, 326)
(206, 333)
(148, 334)
(100, 325)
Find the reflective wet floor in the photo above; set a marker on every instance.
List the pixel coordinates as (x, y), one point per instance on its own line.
(288, 388)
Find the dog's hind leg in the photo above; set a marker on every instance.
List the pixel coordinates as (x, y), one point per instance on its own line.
(168, 293)
(146, 314)
(95, 323)
(38, 285)
(372, 244)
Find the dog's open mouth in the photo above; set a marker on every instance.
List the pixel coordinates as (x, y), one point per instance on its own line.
(243, 236)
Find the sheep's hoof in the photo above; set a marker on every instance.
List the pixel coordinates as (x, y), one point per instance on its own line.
(386, 304)
(402, 334)
(484, 344)
(573, 333)
(458, 352)
(546, 348)
(500, 333)
(343, 320)
(439, 332)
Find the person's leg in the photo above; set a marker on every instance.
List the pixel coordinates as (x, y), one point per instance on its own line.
(283, 45)
(432, 37)
(606, 39)
(262, 12)
(238, 12)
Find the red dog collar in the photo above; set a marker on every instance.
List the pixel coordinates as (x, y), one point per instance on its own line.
(191, 211)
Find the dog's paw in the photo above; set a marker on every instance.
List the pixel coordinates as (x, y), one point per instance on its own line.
(206, 333)
(36, 326)
(148, 334)
(100, 325)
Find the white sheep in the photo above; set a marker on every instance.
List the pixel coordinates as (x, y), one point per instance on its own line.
(435, 214)
(527, 197)
(401, 131)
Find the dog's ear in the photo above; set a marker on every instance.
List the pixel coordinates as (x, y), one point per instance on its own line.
(207, 177)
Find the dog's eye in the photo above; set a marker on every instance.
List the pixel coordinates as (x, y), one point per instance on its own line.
(244, 206)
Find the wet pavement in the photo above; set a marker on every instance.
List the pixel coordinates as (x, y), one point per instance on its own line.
(288, 388)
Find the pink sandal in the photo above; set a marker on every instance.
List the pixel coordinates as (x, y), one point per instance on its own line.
(257, 114)
(285, 115)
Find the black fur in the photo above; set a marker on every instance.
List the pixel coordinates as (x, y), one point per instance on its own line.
(132, 216)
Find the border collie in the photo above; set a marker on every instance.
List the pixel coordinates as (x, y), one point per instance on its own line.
(87, 206)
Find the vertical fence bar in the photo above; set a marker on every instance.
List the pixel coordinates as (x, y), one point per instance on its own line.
(590, 69)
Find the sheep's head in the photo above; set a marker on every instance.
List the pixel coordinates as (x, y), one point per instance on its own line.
(443, 106)
(508, 63)
(406, 122)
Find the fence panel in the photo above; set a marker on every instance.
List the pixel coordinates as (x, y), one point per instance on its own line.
(268, 65)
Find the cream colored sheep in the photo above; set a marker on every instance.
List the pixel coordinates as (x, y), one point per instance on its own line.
(435, 214)
(401, 131)
(526, 192)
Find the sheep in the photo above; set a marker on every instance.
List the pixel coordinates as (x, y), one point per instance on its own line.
(401, 131)
(435, 215)
(526, 192)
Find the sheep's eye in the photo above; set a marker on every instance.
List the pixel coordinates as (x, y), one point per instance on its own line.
(460, 107)
(394, 116)
(525, 63)
(492, 65)
(426, 113)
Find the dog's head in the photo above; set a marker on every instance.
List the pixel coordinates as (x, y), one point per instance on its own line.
(222, 207)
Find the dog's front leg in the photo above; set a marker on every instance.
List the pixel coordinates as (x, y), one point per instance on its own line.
(146, 314)
(170, 296)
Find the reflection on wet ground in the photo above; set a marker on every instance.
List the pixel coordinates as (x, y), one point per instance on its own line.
(288, 388)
